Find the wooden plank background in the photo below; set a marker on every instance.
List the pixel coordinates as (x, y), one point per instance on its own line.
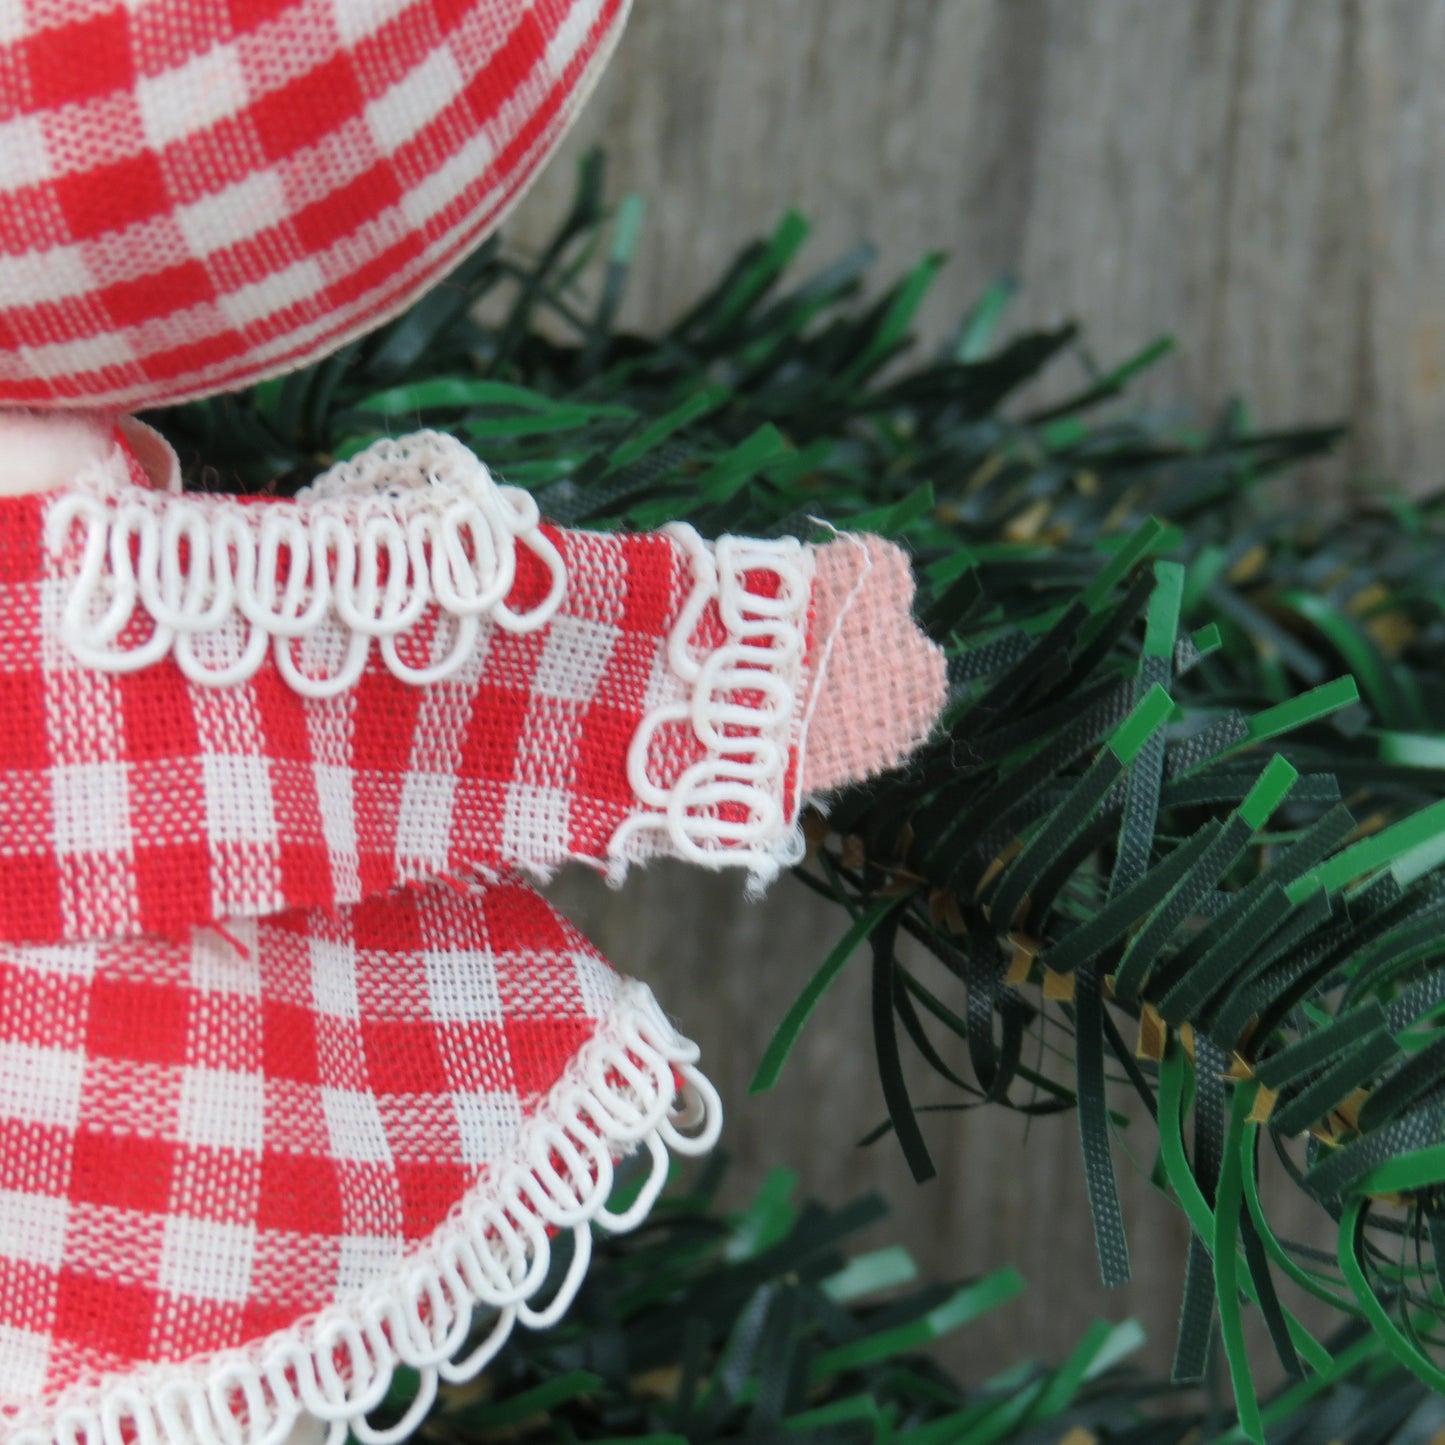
(1263, 179)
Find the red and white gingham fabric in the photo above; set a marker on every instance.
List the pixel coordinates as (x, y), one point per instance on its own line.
(297, 1076)
(142, 803)
(194, 195)
(293, 1066)
(201, 1145)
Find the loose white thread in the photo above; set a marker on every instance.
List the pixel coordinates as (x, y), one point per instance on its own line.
(620, 1094)
(372, 551)
(745, 745)
(825, 654)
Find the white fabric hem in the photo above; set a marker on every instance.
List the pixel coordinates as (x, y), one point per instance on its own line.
(374, 552)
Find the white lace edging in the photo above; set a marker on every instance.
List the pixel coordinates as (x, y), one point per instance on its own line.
(746, 745)
(493, 1254)
(411, 524)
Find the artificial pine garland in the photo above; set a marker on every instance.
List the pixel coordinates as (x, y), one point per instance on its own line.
(763, 1326)
(1188, 808)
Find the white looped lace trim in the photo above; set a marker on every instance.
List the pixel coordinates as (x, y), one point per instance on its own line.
(620, 1094)
(372, 551)
(729, 807)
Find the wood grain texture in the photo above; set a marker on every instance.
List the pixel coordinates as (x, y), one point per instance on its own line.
(1263, 179)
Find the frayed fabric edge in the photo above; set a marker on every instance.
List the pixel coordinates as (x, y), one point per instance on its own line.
(631, 1087)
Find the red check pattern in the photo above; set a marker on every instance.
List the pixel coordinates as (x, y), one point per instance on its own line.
(142, 804)
(193, 196)
(201, 1144)
(270, 1069)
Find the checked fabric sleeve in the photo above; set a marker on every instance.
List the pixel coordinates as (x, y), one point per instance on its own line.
(668, 703)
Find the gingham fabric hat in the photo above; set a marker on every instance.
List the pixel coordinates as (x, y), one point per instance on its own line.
(194, 195)
(298, 1077)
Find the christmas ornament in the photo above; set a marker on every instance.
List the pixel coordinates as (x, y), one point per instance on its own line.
(300, 1079)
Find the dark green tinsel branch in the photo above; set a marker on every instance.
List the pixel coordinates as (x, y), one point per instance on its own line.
(764, 1326)
(1188, 800)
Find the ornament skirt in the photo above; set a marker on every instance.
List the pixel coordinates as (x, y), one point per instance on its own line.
(314, 1148)
(300, 1078)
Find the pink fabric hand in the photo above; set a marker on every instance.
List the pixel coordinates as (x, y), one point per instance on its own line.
(879, 683)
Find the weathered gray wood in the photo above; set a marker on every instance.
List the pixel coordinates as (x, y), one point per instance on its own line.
(1264, 179)
(1260, 178)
